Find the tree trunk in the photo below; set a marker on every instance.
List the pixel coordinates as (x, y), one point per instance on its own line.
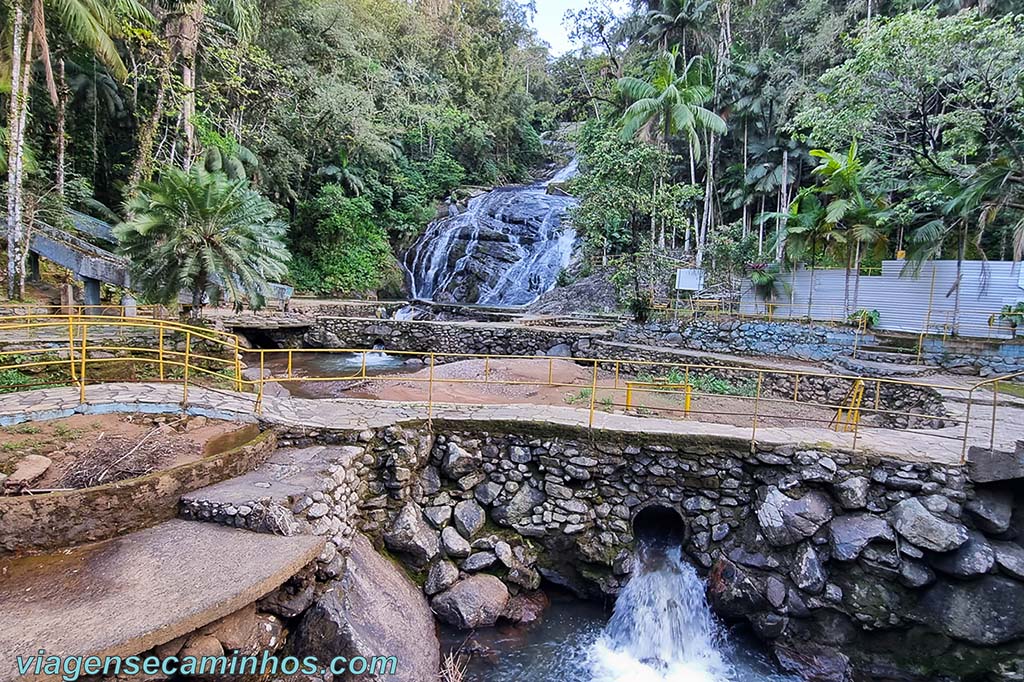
(780, 225)
(62, 139)
(142, 168)
(198, 291)
(15, 150)
(746, 208)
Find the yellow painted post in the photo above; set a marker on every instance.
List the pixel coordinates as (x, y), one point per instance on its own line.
(616, 374)
(362, 369)
(995, 407)
(160, 350)
(551, 371)
(71, 349)
(967, 426)
(261, 387)
(188, 353)
(687, 399)
(593, 394)
(238, 366)
(757, 405)
(81, 374)
(430, 390)
(629, 395)
(796, 389)
(290, 363)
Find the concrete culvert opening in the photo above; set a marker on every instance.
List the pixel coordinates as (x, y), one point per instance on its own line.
(658, 524)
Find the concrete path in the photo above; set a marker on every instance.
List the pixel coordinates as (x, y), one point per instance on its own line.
(127, 595)
(944, 445)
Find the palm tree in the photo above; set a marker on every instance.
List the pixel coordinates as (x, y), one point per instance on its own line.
(674, 18)
(199, 231)
(670, 103)
(90, 24)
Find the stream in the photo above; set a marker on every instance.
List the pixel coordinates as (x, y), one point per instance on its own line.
(661, 630)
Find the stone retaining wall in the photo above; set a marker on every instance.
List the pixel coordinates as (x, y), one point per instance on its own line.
(819, 343)
(37, 523)
(837, 560)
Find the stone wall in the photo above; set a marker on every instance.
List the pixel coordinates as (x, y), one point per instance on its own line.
(36, 523)
(898, 404)
(820, 344)
(837, 560)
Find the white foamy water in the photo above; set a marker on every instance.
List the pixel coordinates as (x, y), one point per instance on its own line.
(662, 629)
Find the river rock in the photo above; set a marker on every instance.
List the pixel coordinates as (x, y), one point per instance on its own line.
(731, 592)
(410, 534)
(991, 509)
(473, 602)
(987, 611)
(914, 574)
(814, 662)
(922, 528)
(443, 574)
(356, 617)
(518, 510)
(27, 471)
(853, 492)
(291, 599)
(487, 492)
(457, 461)
(808, 572)
(478, 561)
(974, 557)
(850, 534)
(526, 608)
(438, 516)
(469, 518)
(454, 544)
(1010, 558)
(786, 520)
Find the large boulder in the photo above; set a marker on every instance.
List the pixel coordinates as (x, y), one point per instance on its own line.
(849, 535)
(808, 572)
(356, 617)
(410, 534)
(1010, 558)
(991, 509)
(974, 557)
(474, 602)
(814, 662)
(988, 611)
(731, 591)
(786, 520)
(924, 529)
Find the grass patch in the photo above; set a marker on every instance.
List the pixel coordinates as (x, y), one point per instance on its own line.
(1005, 387)
(582, 397)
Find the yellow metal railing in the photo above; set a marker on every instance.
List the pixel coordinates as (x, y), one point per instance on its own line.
(83, 350)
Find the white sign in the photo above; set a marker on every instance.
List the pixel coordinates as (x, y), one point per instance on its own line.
(688, 279)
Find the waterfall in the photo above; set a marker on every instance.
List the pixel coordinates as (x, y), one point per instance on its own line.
(506, 248)
(662, 629)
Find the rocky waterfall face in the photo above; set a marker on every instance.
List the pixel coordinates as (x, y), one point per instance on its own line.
(507, 248)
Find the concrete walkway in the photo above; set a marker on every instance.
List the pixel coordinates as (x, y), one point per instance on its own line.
(944, 445)
(127, 595)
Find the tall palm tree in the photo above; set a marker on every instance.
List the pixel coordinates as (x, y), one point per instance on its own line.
(672, 19)
(199, 231)
(670, 103)
(90, 24)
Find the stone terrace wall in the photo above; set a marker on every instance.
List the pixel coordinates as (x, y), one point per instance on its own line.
(449, 337)
(839, 561)
(36, 523)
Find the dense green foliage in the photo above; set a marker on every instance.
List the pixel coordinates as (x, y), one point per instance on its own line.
(204, 233)
(354, 116)
(853, 131)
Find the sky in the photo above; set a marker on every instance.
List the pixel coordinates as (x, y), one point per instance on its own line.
(548, 21)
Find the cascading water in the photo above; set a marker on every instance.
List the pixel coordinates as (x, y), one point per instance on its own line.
(507, 248)
(662, 629)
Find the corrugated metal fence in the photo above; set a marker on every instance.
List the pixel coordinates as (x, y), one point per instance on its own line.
(927, 302)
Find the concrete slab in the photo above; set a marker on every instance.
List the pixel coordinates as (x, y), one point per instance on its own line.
(125, 596)
(286, 475)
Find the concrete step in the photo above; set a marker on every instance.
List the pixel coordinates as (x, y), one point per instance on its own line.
(265, 500)
(125, 596)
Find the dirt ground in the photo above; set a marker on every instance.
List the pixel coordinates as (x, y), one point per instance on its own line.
(94, 450)
(563, 382)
